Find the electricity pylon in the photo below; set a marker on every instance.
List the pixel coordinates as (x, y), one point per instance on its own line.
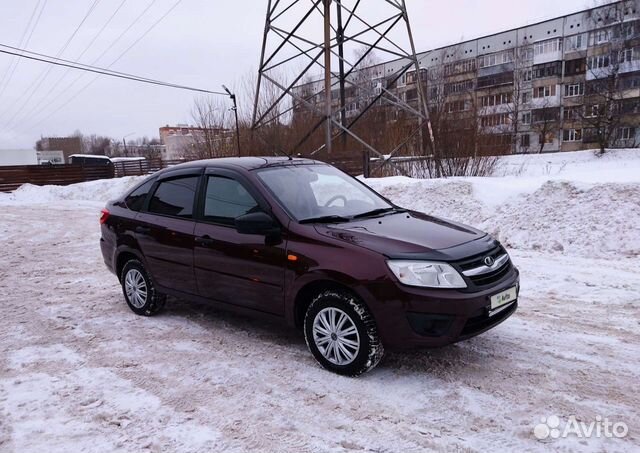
(314, 55)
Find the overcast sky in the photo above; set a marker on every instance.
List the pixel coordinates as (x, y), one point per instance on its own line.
(201, 43)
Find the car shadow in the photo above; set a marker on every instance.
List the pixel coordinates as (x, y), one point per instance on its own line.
(475, 353)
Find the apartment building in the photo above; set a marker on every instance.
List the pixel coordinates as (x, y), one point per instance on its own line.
(564, 84)
(179, 139)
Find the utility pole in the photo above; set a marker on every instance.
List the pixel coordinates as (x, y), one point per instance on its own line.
(327, 73)
(235, 111)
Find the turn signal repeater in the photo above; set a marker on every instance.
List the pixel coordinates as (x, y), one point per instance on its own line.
(104, 215)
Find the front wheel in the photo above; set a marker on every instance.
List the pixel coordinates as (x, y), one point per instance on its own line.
(139, 292)
(341, 333)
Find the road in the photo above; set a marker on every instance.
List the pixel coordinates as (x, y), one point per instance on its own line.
(80, 372)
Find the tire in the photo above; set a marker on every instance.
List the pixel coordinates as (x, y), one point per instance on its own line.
(142, 298)
(334, 345)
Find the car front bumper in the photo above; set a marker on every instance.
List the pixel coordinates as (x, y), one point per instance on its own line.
(410, 317)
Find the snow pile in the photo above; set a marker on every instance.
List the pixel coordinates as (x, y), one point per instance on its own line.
(99, 191)
(587, 205)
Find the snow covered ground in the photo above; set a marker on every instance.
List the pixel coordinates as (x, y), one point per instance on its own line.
(80, 372)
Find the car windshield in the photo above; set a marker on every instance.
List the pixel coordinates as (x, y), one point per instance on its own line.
(321, 192)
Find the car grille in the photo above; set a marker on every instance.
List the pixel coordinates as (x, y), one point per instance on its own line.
(475, 269)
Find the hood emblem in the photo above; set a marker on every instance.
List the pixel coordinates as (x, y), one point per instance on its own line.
(489, 261)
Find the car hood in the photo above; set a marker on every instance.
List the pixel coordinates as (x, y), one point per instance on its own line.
(404, 235)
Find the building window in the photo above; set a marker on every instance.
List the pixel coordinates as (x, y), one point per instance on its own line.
(460, 67)
(544, 91)
(625, 55)
(573, 113)
(505, 78)
(495, 120)
(574, 67)
(495, 59)
(527, 75)
(456, 106)
(526, 118)
(601, 61)
(458, 87)
(552, 69)
(496, 99)
(525, 141)
(526, 97)
(575, 42)
(576, 89)
(601, 36)
(572, 135)
(626, 133)
(549, 46)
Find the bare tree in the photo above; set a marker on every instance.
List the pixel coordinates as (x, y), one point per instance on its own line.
(604, 95)
(210, 138)
(544, 122)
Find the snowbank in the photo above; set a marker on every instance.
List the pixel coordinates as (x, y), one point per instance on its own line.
(575, 203)
(99, 191)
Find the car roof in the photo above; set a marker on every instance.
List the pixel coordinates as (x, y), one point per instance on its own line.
(247, 163)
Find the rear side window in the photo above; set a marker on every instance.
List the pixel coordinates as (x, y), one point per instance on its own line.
(135, 200)
(175, 197)
(226, 199)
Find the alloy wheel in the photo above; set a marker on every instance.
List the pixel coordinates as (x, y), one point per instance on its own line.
(336, 336)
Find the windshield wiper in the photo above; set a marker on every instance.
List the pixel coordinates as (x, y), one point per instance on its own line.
(325, 219)
(378, 212)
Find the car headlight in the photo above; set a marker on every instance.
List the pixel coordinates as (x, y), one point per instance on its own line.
(426, 273)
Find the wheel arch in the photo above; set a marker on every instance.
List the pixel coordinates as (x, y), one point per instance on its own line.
(307, 290)
(124, 254)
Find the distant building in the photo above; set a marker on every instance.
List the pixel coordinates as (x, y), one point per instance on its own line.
(18, 157)
(50, 157)
(178, 139)
(68, 145)
(556, 85)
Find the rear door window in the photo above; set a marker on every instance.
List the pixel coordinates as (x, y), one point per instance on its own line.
(135, 200)
(175, 197)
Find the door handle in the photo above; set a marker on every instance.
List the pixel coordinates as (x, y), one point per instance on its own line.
(204, 241)
(143, 230)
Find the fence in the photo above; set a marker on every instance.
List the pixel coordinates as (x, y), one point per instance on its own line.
(14, 176)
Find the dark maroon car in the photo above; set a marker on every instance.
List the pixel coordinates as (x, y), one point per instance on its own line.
(299, 240)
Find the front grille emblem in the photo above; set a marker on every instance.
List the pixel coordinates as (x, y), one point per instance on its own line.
(489, 261)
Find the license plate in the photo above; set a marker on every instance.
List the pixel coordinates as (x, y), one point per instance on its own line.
(503, 298)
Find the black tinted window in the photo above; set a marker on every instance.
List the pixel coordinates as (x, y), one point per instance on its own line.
(135, 200)
(226, 199)
(175, 197)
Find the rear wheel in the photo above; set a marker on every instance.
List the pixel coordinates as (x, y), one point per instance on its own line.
(341, 333)
(138, 289)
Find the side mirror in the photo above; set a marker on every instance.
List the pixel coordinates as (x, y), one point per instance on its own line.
(256, 223)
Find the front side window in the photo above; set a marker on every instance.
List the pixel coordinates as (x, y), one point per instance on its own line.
(226, 199)
(175, 197)
(311, 191)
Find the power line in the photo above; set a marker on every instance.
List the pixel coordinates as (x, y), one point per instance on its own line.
(40, 79)
(147, 31)
(113, 43)
(11, 69)
(39, 103)
(101, 71)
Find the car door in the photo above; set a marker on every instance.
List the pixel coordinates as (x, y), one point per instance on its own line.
(165, 229)
(240, 269)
